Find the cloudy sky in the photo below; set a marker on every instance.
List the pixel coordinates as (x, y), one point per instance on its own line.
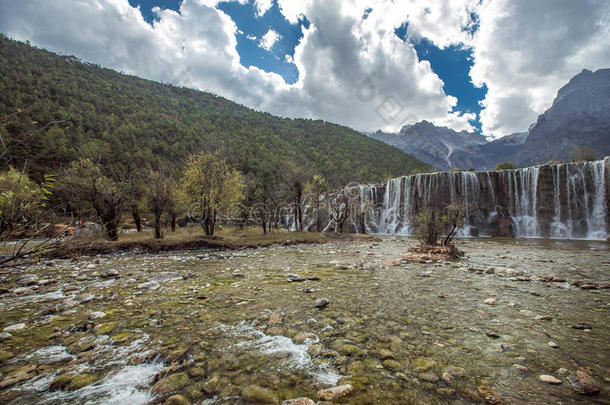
(488, 65)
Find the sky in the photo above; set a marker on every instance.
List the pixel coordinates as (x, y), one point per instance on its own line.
(490, 66)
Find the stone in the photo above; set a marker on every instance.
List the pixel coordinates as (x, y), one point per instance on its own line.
(583, 383)
(238, 274)
(259, 395)
(61, 382)
(520, 367)
(588, 287)
(490, 301)
(278, 316)
(392, 365)
(177, 400)
(302, 337)
(422, 364)
(5, 336)
(212, 386)
(549, 379)
(149, 285)
(28, 279)
(492, 334)
(23, 291)
(334, 393)
(171, 383)
(582, 326)
(96, 315)
(321, 303)
(553, 345)
(544, 318)
(22, 374)
(83, 299)
(429, 376)
(295, 278)
(385, 354)
(81, 380)
(299, 401)
(110, 273)
(15, 327)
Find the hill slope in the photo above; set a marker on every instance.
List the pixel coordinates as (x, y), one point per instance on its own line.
(127, 121)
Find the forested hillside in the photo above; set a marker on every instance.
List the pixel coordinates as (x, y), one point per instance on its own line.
(55, 109)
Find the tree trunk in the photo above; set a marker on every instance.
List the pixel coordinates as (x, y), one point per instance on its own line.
(135, 213)
(157, 226)
(173, 221)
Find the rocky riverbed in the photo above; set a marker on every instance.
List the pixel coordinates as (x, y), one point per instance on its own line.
(513, 322)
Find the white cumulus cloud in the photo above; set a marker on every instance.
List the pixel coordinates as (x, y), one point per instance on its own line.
(352, 70)
(269, 39)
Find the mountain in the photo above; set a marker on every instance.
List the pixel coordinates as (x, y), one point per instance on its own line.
(54, 109)
(434, 145)
(580, 115)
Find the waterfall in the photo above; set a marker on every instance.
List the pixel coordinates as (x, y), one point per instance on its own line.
(559, 201)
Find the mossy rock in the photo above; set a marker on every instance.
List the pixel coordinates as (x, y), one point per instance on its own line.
(347, 349)
(171, 383)
(177, 400)
(61, 382)
(105, 328)
(212, 386)
(422, 364)
(196, 372)
(259, 395)
(82, 380)
(392, 365)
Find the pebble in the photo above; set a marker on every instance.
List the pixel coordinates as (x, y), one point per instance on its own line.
(83, 299)
(554, 345)
(549, 379)
(299, 401)
(492, 335)
(96, 315)
(28, 279)
(5, 335)
(149, 285)
(23, 291)
(490, 301)
(582, 326)
(110, 273)
(294, 277)
(544, 318)
(237, 274)
(331, 394)
(583, 383)
(321, 303)
(520, 367)
(15, 327)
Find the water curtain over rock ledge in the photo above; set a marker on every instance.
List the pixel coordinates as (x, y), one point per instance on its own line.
(566, 200)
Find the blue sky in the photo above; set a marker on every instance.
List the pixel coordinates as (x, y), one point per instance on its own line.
(451, 64)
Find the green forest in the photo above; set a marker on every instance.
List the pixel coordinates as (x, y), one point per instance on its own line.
(56, 109)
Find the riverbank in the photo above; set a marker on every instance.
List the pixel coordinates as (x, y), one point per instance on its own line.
(255, 326)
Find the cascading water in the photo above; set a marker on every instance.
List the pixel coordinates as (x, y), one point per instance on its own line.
(560, 201)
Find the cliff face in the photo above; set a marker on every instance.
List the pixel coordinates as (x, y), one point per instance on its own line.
(558, 200)
(580, 115)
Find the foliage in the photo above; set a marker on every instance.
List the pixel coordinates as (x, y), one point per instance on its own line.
(85, 182)
(506, 166)
(122, 121)
(583, 153)
(159, 196)
(436, 222)
(21, 199)
(211, 186)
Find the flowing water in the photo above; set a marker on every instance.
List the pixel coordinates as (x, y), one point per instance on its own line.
(187, 323)
(558, 201)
